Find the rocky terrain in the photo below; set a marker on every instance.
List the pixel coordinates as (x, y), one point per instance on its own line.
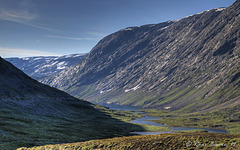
(40, 67)
(191, 64)
(35, 114)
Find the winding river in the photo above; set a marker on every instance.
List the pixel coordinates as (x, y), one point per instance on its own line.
(145, 120)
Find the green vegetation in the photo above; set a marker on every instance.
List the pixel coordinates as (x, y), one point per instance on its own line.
(150, 128)
(24, 128)
(191, 131)
(189, 139)
(127, 116)
(226, 119)
(154, 142)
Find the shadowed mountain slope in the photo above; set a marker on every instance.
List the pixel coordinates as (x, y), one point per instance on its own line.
(35, 114)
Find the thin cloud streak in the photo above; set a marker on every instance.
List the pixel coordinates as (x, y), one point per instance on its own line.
(9, 52)
(16, 16)
(71, 38)
(23, 17)
(40, 26)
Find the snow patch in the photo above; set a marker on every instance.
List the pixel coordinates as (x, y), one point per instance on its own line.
(50, 65)
(219, 9)
(79, 55)
(37, 58)
(26, 58)
(127, 29)
(163, 28)
(101, 92)
(133, 89)
(61, 65)
(163, 79)
(168, 107)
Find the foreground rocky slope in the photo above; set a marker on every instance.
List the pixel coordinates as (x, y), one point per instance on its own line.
(35, 114)
(40, 67)
(191, 64)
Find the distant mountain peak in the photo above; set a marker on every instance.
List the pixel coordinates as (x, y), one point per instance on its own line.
(39, 67)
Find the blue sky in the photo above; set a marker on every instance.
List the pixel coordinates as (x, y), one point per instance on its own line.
(60, 27)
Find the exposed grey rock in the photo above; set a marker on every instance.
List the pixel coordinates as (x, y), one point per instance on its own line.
(184, 64)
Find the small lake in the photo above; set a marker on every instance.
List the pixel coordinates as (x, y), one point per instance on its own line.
(145, 120)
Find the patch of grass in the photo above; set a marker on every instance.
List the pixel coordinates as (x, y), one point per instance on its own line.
(161, 141)
(191, 131)
(125, 116)
(150, 128)
(85, 91)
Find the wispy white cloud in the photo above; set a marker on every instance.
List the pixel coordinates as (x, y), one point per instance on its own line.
(23, 16)
(71, 38)
(10, 52)
(16, 15)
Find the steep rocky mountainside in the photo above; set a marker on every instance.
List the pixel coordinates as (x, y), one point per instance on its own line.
(191, 64)
(35, 114)
(40, 67)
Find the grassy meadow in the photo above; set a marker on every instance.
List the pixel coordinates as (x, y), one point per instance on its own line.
(180, 141)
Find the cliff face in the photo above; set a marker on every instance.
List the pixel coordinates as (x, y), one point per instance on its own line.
(190, 64)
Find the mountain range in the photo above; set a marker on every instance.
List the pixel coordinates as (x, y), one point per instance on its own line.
(40, 67)
(32, 114)
(187, 68)
(191, 64)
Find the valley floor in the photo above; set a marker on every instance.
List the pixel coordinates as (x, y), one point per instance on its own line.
(228, 119)
(193, 139)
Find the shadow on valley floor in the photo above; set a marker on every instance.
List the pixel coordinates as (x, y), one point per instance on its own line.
(23, 127)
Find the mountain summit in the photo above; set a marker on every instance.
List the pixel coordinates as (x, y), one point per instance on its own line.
(189, 64)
